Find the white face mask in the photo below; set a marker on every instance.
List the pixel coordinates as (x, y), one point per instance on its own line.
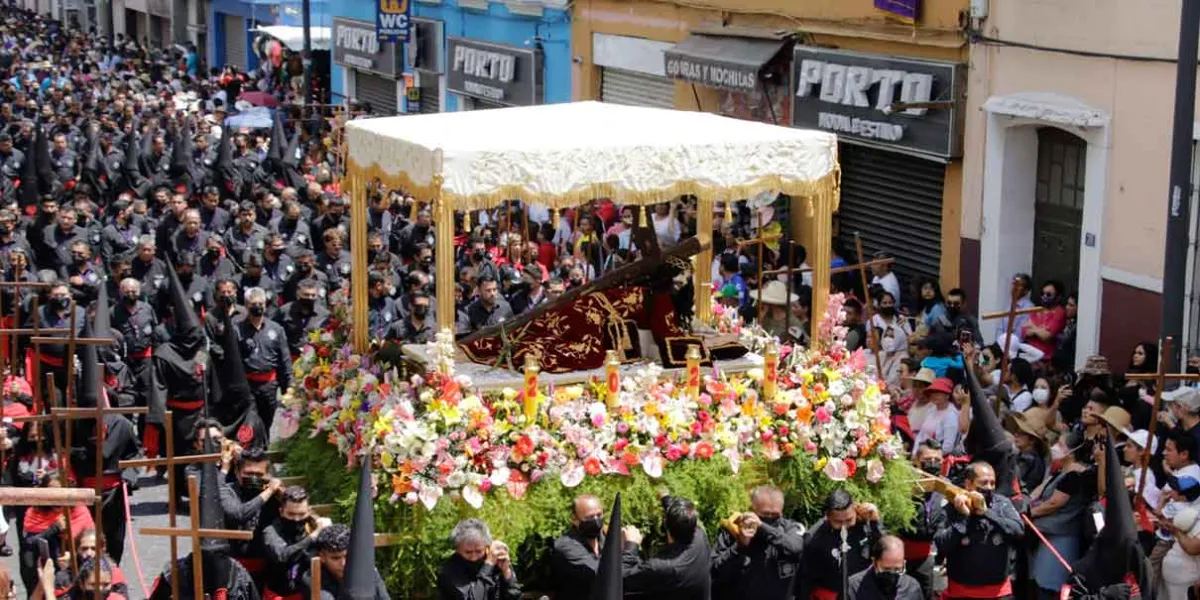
(1041, 395)
(1057, 452)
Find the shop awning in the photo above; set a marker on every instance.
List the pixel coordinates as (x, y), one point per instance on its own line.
(293, 37)
(726, 62)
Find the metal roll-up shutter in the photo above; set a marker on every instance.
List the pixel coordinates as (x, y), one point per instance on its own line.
(430, 102)
(894, 201)
(379, 91)
(636, 89)
(235, 41)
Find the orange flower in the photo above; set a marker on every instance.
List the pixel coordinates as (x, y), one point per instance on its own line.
(401, 485)
(804, 414)
(592, 466)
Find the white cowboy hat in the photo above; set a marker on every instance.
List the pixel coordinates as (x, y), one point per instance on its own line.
(776, 293)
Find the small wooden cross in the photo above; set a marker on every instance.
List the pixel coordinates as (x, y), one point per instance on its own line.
(196, 533)
(1011, 314)
(761, 241)
(1160, 379)
(18, 286)
(170, 462)
(835, 270)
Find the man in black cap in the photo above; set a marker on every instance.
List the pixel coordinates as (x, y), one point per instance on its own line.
(264, 348)
(759, 559)
(825, 563)
(302, 316)
(979, 537)
(224, 578)
(81, 274)
(246, 235)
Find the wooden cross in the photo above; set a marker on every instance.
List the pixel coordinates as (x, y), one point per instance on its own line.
(1160, 379)
(98, 414)
(872, 337)
(170, 462)
(1011, 314)
(834, 270)
(761, 241)
(18, 286)
(196, 533)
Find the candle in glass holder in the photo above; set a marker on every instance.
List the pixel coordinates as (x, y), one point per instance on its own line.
(531, 387)
(612, 365)
(693, 371)
(770, 371)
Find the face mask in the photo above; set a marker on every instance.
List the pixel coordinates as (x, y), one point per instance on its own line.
(772, 521)
(253, 483)
(591, 528)
(627, 220)
(131, 299)
(62, 303)
(932, 467)
(420, 311)
(307, 303)
(887, 582)
(78, 259)
(953, 311)
(1041, 395)
(305, 267)
(987, 495)
(576, 281)
(258, 310)
(292, 526)
(477, 255)
(1047, 300)
(887, 311)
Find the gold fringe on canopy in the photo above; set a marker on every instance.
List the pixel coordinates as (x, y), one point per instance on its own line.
(826, 186)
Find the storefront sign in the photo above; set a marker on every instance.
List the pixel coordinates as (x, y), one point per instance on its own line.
(908, 104)
(392, 20)
(729, 76)
(495, 73)
(356, 45)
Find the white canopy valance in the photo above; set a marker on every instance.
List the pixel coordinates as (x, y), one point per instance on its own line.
(561, 155)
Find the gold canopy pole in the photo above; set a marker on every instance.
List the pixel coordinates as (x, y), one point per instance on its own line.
(443, 218)
(360, 335)
(702, 262)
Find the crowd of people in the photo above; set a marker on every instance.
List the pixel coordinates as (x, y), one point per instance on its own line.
(208, 253)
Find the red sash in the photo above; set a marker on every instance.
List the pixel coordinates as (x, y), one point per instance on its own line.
(107, 482)
(261, 376)
(269, 595)
(143, 354)
(955, 589)
(824, 594)
(151, 440)
(190, 405)
(253, 565)
(916, 550)
(38, 520)
(54, 361)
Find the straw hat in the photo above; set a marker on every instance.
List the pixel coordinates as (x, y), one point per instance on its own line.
(1032, 422)
(776, 293)
(1117, 417)
(925, 376)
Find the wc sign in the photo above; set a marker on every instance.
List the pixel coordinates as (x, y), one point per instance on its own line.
(392, 20)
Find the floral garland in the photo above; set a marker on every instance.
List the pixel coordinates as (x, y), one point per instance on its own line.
(435, 436)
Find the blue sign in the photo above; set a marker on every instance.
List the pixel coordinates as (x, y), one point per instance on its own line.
(392, 20)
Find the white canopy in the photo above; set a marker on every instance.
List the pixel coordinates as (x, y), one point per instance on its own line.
(561, 155)
(293, 37)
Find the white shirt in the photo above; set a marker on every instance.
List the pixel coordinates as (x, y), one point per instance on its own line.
(889, 283)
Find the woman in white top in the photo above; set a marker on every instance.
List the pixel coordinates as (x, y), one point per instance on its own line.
(942, 423)
(666, 225)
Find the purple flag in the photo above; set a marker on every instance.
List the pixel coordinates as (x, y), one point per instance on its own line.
(907, 10)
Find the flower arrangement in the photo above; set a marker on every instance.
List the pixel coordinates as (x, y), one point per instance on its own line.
(434, 436)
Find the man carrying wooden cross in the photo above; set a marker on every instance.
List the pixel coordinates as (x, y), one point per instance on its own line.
(59, 312)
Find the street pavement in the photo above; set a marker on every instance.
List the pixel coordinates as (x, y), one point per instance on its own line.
(148, 508)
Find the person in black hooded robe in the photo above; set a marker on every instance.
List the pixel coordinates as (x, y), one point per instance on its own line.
(1115, 566)
(224, 577)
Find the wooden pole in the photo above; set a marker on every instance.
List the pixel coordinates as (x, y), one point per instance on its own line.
(360, 334)
(821, 256)
(63, 451)
(791, 283)
(315, 569)
(761, 267)
(870, 313)
(443, 255)
(197, 558)
(1160, 379)
(70, 359)
(702, 291)
(39, 496)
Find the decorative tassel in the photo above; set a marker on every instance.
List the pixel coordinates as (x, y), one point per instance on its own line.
(729, 211)
(642, 222)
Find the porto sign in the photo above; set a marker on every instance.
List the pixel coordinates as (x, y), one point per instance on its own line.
(901, 103)
(393, 20)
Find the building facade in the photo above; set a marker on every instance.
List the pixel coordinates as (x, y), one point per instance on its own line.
(893, 92)
(464, 55)
(230, 24)
(1067, 174)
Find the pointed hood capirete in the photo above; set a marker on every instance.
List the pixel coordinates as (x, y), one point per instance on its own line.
(608, 584)
(360, 576)
(188, 334)
(987, 441)
(279, 143)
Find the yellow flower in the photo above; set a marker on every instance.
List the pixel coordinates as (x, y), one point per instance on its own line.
(386, 460)
(508, 393)
(756, 374)
(574, 392)
(820, 464)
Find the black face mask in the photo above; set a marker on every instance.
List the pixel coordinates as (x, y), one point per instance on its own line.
(576, 281)
(887, 582)
(185, 277)
(472, 567)
(212, 253)
(591, 528)
(61, 303)
(772, 521)
(253, 484)
(887, 311)
(477, 255)
(420, 311)
(79, 260)
(371, 254)
(307, 304)
(131, 299)
(258, 310)
(987, 495)
(292, 527)
(932, 467)
(5, 229)
(305, 267)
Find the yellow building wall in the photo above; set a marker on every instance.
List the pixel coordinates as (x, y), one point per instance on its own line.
(846, 24)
